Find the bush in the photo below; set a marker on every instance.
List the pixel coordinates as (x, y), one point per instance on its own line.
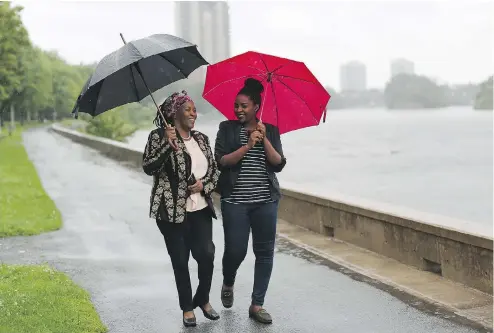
(110, 125)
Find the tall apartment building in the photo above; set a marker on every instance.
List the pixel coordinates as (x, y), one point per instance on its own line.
(205, 23)
(353, 76)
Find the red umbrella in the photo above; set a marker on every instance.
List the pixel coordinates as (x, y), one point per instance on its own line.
(293, 98)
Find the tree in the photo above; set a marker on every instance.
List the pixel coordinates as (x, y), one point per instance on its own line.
(483, 100)
(33, 81)
(67, 82)
(413, 91)
(36, 91)
(14, 41)
(110, 125)
(336, 101)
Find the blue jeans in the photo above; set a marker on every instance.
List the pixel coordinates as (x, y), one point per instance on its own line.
(238, 220)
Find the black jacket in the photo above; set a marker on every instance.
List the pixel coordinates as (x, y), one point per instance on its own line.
(170, 170)
(228, 141)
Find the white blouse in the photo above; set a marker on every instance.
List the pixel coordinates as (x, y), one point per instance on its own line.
(199, 168)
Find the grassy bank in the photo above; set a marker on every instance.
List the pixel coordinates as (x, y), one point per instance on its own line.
(40, 299)
(25, 208)
(35, 299)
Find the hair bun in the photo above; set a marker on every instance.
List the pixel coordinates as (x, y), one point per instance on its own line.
(254, 85)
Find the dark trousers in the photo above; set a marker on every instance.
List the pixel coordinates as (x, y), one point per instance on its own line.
(238, 220)
(194, 235)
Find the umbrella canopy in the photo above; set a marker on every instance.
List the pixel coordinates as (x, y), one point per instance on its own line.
(293, 98)
(136, 70)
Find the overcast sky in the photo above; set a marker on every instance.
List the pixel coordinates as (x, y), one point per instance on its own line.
(448, 40)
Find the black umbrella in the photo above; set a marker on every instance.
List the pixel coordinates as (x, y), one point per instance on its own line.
(136, 70)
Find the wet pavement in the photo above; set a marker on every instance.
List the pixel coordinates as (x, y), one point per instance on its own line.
(110, 247)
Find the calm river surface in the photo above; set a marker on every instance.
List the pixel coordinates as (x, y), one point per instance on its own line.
(438, 161)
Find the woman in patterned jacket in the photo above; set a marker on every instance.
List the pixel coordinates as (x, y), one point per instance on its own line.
(185, 174)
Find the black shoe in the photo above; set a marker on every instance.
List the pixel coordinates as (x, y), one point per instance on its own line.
(261, 316)
(211, 314)
(227, 298)
(190, 322)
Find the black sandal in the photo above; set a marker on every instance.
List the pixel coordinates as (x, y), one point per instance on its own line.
(189, 322)
(227, 298)
(211, 314)
(261, 316)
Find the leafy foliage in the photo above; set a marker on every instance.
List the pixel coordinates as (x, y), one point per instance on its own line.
(14, 41)
(483, 100)
(110, 125)
(36, 83)
(413, 91)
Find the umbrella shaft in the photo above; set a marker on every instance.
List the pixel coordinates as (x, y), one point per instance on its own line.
(144, 81)
(150, 93)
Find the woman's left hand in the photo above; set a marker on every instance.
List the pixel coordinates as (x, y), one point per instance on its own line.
(197, 187)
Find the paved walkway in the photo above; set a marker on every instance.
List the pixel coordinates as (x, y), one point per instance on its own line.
(110, 247)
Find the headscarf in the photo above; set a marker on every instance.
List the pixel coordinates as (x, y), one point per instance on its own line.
(173, 103)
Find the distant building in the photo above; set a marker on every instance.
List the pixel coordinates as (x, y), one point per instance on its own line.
(353, 76)
(402, 66)
(205, 23)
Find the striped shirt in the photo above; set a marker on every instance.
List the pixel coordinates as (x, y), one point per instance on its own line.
(252, 184)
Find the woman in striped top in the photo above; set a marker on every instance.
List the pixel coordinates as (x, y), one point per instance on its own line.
(249, 153)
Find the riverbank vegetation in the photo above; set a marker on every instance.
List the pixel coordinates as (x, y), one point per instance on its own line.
(483, 100)
(410, 91)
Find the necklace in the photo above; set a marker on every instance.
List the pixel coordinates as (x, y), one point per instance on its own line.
(187, 138)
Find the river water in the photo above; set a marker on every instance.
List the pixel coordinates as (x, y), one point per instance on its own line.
(430, 161)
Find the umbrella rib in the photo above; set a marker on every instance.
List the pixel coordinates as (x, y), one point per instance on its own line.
(98, 96)
(295, 78)
(219, 84)
(134, 81)
(276, 104)
(296, 94)
(257, 69)
(177, 67)
(284, 65)
(267, 69)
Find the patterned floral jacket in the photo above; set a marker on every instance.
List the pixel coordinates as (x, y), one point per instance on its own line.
(170, 170)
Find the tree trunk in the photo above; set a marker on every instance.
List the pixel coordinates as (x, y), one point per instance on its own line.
(12, 119)
(12, 115)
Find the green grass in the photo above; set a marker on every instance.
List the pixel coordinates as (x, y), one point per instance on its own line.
(25, 208)
(35, 299)
(38, 299)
